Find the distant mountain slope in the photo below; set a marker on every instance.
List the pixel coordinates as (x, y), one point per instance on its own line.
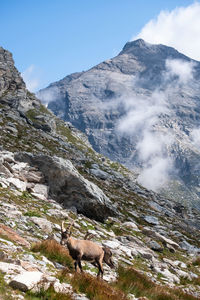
(141, 108)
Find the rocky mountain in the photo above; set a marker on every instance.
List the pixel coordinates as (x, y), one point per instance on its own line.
(49, 173)
(140, 108)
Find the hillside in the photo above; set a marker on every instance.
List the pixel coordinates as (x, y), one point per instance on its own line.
(49, 173)
(144, 112)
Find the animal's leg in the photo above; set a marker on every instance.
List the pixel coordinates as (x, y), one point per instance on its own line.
(79, 262)
(100, 266)
(75, 265)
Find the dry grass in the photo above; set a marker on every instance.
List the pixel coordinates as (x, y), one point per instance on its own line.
(95, 289)
(54, 252)
(131, 281)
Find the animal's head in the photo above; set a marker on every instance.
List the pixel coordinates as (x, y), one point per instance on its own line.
(65, 233)
(108, 257)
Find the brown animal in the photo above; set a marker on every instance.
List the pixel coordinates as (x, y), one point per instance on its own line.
(107, 252)
(82, 249)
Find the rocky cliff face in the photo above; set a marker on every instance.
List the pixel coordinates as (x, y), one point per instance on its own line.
(49, 173)
(140, 108)
(12, 87)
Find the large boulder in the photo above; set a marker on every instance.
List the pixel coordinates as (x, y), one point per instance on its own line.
(26, 280)
(69, 187)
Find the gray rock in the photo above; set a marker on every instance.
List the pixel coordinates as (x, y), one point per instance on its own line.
(69, 187)
(188, 247)
(99, 173)
(130, 225)
(151, 220)
(43, 224)
(20, 185)
(26, 281)
(12, 87)
(41, 189)
(155, 246)
(10, 268)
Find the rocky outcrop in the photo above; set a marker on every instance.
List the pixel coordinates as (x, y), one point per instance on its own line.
(12, 87)
(69, 187)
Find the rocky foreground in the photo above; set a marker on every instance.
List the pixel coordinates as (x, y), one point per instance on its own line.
(49, 173)
(156, 239)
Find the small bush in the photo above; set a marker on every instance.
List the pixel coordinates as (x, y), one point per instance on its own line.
(54, 252)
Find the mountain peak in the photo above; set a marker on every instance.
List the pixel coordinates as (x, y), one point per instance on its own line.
(151, 52)
(136, 44)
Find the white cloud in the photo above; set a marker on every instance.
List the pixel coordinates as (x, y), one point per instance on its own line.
(140, 122)
(156, 174)
(180, 68)
(179, 28)
(29, 76)
(46, 96)
(195, 135)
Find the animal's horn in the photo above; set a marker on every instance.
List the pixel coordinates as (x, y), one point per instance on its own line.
(70, 226)
(63, 227)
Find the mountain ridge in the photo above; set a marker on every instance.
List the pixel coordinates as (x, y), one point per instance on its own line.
(143, 73)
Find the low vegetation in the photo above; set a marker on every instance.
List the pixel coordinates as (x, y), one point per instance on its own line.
(92, 287)
(133, 282)
(196, 262)
(54, 252)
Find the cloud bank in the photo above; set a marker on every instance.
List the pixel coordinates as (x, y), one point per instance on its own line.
(195, 136)
(179, 28)
(183, 70)
(141, 122)
(29, 77)
(51, 94)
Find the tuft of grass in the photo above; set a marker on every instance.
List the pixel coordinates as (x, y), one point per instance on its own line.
(49, 294)
(196, 262)
(54, 252)
(32, 213)
(131, 281)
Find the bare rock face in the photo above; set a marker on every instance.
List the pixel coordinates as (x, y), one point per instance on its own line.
(139, 97)
(69, 187)
(13, 91)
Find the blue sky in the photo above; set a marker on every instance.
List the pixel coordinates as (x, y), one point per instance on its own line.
(50, 39)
